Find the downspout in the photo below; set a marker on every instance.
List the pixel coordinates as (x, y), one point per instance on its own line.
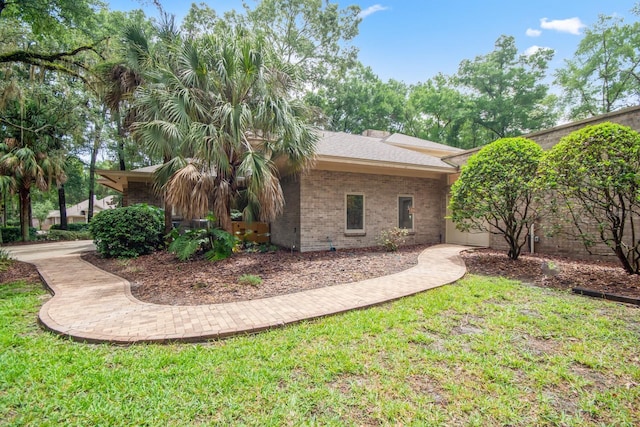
(532, 239)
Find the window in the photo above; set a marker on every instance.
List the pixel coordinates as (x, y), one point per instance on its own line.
(355, 213)
(405, 212)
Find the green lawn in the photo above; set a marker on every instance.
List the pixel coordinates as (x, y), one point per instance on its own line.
(481, 352)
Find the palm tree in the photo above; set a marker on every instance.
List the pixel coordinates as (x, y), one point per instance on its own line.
(30, 157)
(222, 103)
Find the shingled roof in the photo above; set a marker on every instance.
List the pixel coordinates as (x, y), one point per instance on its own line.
(340, 145)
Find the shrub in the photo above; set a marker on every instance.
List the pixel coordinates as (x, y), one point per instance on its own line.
(392, 239)
(216, 244)
(12, 234)
(495, 191)
(56, 235)
(127, 232)
(76, 226)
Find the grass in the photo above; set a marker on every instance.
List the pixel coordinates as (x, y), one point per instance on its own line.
(250, 279)
(481, 352)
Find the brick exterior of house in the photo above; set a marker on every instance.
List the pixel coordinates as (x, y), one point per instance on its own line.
(316, 209)
(563, 243)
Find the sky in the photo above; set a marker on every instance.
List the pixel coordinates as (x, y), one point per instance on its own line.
(413, 40)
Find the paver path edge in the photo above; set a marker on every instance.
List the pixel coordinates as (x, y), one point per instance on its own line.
(92, 305)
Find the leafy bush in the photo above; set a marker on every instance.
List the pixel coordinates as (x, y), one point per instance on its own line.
(127, 232)
(76, 226)
(12, 234)
(392, 238)
(56, 235)
(216, 244)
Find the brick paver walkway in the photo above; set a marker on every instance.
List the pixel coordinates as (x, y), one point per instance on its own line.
(93, 305)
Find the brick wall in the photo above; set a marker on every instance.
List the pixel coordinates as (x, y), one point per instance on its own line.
(285, 230)
(550, 137)
(563, 243)
(140, 192)
(322, 208)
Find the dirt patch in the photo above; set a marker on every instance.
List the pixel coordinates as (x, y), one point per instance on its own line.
(162, 279)
(18, 270)
(555, 272)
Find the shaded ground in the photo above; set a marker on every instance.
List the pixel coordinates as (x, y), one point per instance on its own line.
(555, 272)
(161, 278)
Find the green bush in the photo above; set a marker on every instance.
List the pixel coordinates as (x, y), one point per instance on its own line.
(216, 244)
(391, 239)
(12, 234)
(127, 232)
(76, 226)
(56, 235)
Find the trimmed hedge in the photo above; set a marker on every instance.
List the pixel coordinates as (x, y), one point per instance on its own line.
(127, 232)
(76, 226)
(56, 235)
(12, 234)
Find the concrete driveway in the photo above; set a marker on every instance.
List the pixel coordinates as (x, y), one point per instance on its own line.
(38, 251)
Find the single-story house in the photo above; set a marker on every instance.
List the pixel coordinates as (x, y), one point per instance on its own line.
(361, 185)
(78, 213)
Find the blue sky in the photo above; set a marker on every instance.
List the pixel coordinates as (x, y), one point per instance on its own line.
(413, 40)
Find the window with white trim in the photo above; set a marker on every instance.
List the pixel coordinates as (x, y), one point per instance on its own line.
(405, 212)
(354, 221)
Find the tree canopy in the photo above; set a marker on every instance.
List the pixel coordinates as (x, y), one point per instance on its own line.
(593, 176)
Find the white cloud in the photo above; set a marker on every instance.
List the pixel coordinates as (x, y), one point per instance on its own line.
(532, 50)
(371, 10)
(571, 25)
(533, 33)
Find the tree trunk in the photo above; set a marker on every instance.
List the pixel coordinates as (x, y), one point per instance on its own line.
(121, 136)
(92, 166)
(25, 202)
(62, 202)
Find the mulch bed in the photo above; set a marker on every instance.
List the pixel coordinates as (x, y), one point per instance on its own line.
(555, 272)
(161, 278)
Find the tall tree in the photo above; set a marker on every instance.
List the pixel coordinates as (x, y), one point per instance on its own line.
(360, 101)
(604, 73)
(226, 99)
(67, 22)
(31, 153)
(315, 35)
(506, 90)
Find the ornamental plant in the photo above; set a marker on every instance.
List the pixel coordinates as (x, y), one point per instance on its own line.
(127, 232)
(592, 177)
(392, 238)
(495, 191)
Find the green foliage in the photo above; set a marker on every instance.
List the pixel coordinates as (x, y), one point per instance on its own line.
(12, 234)
(391, 239)
(506, 93)
(57, 235)
(495, 191)
(602, 75)
(127, 232)
(216, 244)
(593, 178)
(41, 210)
(250, 279)
(74, 226)
(360, 101)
